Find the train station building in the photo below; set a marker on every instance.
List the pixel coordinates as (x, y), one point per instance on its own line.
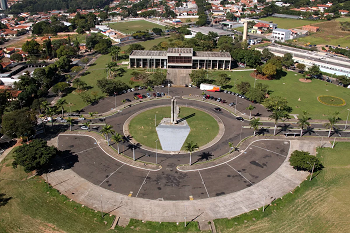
(180, 58)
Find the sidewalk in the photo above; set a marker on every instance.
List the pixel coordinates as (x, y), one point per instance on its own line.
(282, 181)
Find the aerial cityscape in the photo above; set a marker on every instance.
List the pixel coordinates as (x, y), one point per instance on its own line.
(174, 116)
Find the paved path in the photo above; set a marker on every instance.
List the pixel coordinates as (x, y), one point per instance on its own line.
(282, 181)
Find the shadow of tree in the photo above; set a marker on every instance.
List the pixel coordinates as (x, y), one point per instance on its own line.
(4, 200)
(204, 156)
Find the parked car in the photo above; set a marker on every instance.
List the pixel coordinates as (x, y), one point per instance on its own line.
(231, 104)
(154, 95)
(239, 118)
(217, 109)
(84, 127)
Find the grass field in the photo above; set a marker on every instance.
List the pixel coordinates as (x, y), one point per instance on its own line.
(289, 23)
(330, 34)
(143, 130)
(318, 206)
(28, 205)
(134, 26)
(292, 89)
(147, 44)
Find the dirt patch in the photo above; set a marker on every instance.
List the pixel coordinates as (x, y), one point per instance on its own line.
(305, 80)
(259, 76)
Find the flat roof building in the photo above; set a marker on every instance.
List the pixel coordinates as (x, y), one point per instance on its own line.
(180, 58)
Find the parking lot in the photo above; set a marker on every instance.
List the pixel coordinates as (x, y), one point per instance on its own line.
(253, 165)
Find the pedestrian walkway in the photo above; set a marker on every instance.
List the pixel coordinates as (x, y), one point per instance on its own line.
(282, 181)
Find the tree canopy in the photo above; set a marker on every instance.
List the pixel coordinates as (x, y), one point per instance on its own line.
(19, 123)
(35, 155)
(301, 160)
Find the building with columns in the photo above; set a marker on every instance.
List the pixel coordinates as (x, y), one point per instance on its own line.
(180, 58)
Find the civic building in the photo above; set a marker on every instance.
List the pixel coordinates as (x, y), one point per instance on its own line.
(180, 58)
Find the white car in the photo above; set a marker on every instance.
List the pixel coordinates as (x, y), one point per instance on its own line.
(84, 127)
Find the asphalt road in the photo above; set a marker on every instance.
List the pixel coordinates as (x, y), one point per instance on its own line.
(260, 160)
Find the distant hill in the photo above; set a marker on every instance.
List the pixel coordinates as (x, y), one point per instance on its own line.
(48, 5)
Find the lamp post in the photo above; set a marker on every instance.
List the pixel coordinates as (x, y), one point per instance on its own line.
(157, 151)
(133, 152)
(347, 118)
(236, 105)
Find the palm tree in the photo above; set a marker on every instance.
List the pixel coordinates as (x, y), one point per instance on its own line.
(50, 111)
(110, 68)
(303, 121)
(70, 121)
(81, 85)
(190, 147)
(250, 108)
(230, 144)
(106, 130)
(87, 124)
(92, 113)
(60, 104)
(115, 50)
(255, 123)
(117, 138)
(277, 115)
(332, 121)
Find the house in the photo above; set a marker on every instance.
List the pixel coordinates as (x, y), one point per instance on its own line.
(343, 12)
(310, 28)
(281, 34)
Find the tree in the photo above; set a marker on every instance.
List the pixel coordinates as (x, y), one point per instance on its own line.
(277, 102)
(222, 80)
(334, 119)
(31, 47)
(303, 121)
(277, 115)
(110, 68)
(70, 121)
(269, 70)
(60, 87)
(76, 69)
(79, 84)
(301, 67)
(158, 77)
(16, 57)
(103, 46)
(250, 108)
(243, 87)
(63, 63)
(67, 50)
(87, 124)
(198, 77)
(190, 147)
(266, 54)
(288, 60)
(106, 130)
(133, 47)
(255, 123)
(50, 111)
(35, 155)
(60, 104)
(117, 138)
(110, 86)
(314, 71)
(92, 40)
(115, 50)
(301, 160)
(18, 123)
(157, 31)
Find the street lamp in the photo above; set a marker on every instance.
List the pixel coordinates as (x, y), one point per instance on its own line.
(157, 151)
(347, 118)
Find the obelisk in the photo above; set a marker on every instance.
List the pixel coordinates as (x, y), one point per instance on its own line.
(173, 118)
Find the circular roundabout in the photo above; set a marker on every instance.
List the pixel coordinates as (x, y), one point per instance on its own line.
(176, 179)
(331, 100)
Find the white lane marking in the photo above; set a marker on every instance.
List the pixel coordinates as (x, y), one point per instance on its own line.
(270, 151)
(109, 154)
(144, 181)
(111, 174)
(239, 173)
(87, 150)
(203, 183)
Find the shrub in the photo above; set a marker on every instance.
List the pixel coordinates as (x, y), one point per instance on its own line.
(301, 160)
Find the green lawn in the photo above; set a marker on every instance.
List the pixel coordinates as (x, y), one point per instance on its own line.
(34, 207)
(317, 206)
(292, 89)
(204, 127)
(134, 26)
(289, 23)
(148, 44)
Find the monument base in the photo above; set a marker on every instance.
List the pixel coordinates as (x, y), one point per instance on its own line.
(172, 136)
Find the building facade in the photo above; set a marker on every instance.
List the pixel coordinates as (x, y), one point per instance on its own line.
(3, 4)
(281, 34)
(180, 58)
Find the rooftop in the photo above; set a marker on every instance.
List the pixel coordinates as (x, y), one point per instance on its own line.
(206, 30)
(180, 50)
(148, 53)
(212, 54)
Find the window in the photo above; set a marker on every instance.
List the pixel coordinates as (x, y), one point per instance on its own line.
(179, 59)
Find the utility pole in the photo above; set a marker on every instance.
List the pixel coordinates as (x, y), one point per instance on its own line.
(347, 118)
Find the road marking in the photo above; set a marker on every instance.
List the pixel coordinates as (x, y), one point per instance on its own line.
(270, 151)
(203, 183)
(87, 149)
(144, 182)
(130, 194)
(239, 173)
(191, 198)
(111, 175)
